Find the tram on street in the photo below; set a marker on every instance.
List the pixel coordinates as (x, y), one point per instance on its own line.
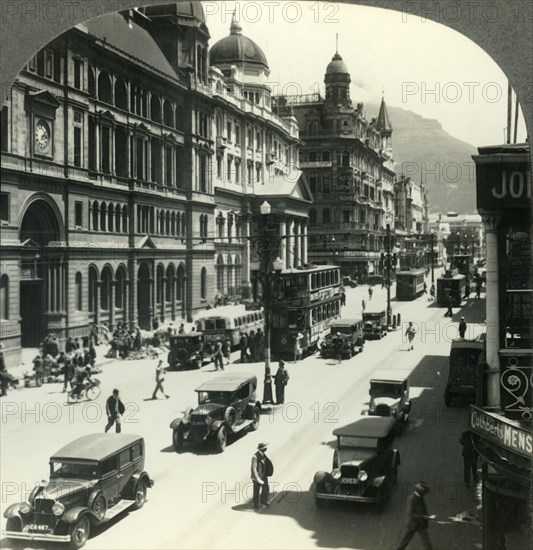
(410, 284)
(309, 299)
(228, 322)
(451, 284)
(464, 264)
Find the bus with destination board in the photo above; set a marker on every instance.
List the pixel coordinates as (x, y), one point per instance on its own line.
(410, 284)
(309, 299)
(228, 322)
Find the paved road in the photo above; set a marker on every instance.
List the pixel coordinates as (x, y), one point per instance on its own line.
(201, 499)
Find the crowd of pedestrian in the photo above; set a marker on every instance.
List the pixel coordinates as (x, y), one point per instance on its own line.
(252, 346)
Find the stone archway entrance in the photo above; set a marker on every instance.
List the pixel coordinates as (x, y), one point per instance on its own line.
(42, 277)
(144, 297)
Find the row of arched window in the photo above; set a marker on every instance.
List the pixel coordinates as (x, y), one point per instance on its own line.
(108, 217)
(172, 223)
(114, 91)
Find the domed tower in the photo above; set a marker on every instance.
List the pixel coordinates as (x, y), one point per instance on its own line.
(337, 80)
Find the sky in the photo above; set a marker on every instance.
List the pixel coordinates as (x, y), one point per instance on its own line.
(418, 64)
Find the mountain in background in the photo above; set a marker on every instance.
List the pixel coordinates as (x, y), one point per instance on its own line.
(424, 151)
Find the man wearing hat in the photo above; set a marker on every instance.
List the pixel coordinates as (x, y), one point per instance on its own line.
(281, 378)
(262, 469)
(462, 327)
(417, 518)
(218, 356)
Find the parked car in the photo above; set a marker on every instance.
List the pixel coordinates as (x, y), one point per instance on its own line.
(365, 464)
(375, 322)
(92, 480)
(346, 334)
(389, 396)
(348, 281)
(226, 405)
(186, 351)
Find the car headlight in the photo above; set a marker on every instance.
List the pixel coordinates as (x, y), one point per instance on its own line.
(208, 420)
(25, 508)
(58, 509)
(362, 476)
(336, 474)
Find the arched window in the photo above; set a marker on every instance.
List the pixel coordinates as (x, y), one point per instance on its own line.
(110, 217)
(125, 219)
(155, 109)
(173, 223)
(238, 274)
(159, 287)
(180, 283)
(79, 291)
(104, 88)
(312, 156)
(96, 216)
(105, 288)
(4, 297)
(168, 114)
(203, 283)
(120, 287)
(167, 223)
(121, 94)
(93, 281)
(220, 273)
(326, 215)
(326, 156)
(118, 218)
(230, 283)
(103, 216)
(169, 287)
(92, 83)
(184, 228)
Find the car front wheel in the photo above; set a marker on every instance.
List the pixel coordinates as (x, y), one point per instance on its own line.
(177, 440)
(140, 495)
(221, 439)
(99, 507)
(79, 533)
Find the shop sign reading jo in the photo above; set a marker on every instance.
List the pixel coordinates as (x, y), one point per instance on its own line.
(514, 185)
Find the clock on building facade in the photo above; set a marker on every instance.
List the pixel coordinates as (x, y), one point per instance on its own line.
(42, 137)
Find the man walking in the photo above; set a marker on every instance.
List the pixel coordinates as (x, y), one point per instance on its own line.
(218, 356)
(114, 410)
(363, 304)
(410, 333)
(281, 378)
(478, 289)
(449, 311)
(462, 328)
(417, 521)
(244, 347)
(262, 469)
(370, 292)
(160, 372)
(469, 457)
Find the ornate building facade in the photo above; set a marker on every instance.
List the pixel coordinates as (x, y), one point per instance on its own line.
(349, 166)
(112, 195)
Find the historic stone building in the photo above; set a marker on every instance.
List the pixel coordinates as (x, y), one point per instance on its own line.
(112, 149)
(349, 166)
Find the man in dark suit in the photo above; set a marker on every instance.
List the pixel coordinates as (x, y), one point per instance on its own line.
(281, 379)
(469, 457)
(417, 521)
(114, 409)
(262, 468)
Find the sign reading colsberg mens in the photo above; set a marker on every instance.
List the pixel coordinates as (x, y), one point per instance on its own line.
(502, 431)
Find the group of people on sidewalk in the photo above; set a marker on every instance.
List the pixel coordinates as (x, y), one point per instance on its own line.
(252, 346)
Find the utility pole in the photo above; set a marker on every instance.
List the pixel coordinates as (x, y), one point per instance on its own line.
(432, 258)
(387, 266)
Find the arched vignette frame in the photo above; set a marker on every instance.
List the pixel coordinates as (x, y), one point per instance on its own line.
(503, 31)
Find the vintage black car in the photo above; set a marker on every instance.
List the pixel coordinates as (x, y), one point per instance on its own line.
(186, 351)
(365, 465)
(375, 322)
(345, 338)
(389, 396)
(92, 480)
(226, 405)
(348, 281)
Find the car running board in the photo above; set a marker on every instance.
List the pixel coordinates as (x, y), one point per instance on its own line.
(239, 427)
(119, 507)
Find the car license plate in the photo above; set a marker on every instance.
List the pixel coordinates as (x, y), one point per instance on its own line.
(198, 423)
(350, 480)
(40, 528)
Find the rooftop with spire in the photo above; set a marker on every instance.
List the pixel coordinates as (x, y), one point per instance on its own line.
(383, 123)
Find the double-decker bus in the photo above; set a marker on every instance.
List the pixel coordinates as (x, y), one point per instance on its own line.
(410, 284)
(464, 263)
(309, 299)
(228, 322)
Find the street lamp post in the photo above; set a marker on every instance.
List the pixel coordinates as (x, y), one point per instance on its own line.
(432, 258)
(267, 247)
(388, 266)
